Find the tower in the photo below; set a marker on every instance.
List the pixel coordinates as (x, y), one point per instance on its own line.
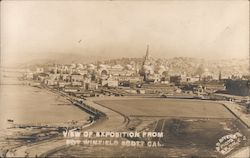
(146, 58)
(146, 66)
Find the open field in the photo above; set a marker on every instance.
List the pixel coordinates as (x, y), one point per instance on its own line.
(191, 128)
(182, 138)
(121, 151)
(167, 108)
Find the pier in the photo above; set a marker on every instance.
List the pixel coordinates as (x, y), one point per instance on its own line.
(96, 113)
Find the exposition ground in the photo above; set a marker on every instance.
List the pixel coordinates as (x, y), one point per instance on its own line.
(167, 107)
(190, 127)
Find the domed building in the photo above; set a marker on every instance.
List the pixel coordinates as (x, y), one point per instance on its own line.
(118, 66)
(73, 66)
(148, 69)
(91, 70)
(91, 67)
(103, 71)
(128, 67)
(161, 70)
(79, 66)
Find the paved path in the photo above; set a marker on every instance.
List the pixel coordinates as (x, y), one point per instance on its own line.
(115, 121)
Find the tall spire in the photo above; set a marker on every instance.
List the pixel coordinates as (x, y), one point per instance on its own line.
(147, 52)
(146, 62)
(146, 56)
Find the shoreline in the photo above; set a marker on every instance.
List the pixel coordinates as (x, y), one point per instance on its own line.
(112, 117)
(18, 135)
(59, 144)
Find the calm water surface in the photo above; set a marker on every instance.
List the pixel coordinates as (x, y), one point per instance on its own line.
(31, 105)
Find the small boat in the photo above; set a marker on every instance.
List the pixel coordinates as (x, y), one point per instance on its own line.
(10, 120)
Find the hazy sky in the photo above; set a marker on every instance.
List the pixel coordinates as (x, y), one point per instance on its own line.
(37, 29)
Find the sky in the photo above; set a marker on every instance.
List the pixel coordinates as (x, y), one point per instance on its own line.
(113, 29)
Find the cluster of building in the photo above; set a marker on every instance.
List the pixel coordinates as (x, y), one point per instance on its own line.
(149, 76)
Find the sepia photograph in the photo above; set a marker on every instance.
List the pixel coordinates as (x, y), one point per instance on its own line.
(117, 78)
